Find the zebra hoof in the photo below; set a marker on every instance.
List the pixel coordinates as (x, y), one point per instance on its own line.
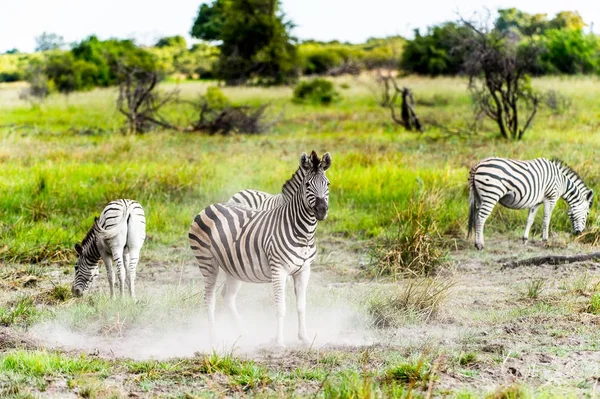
(479, 246)
(305, 341)
(525, 240)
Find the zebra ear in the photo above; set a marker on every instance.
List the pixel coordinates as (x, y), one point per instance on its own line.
(78, 249)
(590, 195)
(326, 161)
(305, 162)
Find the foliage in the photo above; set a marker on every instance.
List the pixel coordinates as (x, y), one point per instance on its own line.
(255, 40)
(316, 91)
(566, 48)
(172, 41)
(437, 52)
(109, 54)
(570, 51)
(512, 19)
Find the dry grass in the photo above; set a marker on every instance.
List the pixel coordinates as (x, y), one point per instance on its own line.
(418, 301)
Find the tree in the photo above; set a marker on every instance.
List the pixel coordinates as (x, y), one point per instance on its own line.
(435, 53)
(48, 41)
(172, 41)
(255, 40)
(497, 67)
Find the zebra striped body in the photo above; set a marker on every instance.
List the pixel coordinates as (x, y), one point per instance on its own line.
(263, 201)
(116, 236)
(526, 184)
(264, 246)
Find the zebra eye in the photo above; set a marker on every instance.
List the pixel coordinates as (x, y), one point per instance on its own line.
(307, 185)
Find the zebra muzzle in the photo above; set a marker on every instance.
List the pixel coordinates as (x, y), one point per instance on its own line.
(321, 209)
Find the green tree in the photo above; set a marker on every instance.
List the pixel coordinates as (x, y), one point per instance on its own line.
(172, 41)
(435, 53)
(571, 51)
(255, 40)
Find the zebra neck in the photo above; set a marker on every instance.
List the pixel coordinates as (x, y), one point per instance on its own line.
(572, 190)
(302, 218)
(90, 252)
(291, 186)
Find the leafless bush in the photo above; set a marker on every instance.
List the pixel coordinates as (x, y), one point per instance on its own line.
(557, 102)
(389, 91)
(139, 101)
(347, 68)
(141, 104)
(497, 69)
(39, 86)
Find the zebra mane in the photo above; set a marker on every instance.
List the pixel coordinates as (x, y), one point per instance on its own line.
(292, 184)
(89, 237)
(568, 171)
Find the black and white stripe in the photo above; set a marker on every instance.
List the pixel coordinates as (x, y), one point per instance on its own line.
(264, 246)
(526, 184)
(116, 236)
(263, 201)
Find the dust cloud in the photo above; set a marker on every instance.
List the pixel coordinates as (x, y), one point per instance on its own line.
(184, 335)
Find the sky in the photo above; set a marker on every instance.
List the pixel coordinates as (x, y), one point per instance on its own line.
(345, 20)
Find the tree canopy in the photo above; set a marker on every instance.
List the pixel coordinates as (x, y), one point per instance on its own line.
(255, 40)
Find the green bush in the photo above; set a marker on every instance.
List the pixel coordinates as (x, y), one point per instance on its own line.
(316, 91)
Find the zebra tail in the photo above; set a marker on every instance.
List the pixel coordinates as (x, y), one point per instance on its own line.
(473, 208)
(110, 233)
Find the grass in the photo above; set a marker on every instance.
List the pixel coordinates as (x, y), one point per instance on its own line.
(57, 189)
(416, 301)
(406, 194)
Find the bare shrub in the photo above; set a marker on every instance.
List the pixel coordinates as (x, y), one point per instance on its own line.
(557, 102)
(389, 92)
(39, 88)
(139, 101)
(497, 65)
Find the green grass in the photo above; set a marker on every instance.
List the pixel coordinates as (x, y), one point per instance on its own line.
(62, 174)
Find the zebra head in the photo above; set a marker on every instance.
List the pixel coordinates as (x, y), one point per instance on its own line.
(86, 269)
(580, 210)
(315, 183)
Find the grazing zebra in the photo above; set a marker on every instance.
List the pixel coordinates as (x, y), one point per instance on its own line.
(263, 201)
(117, 235)
(264, 246)
(526, 184)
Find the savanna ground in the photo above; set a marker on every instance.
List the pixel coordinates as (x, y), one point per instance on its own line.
(468, 329)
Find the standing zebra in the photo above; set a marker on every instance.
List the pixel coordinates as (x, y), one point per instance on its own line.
(264, 246)
(117, 235)
(526, 184)
(263, 201)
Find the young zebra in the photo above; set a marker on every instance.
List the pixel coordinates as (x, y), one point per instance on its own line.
(264, 246)
(525, 184)
(117, 235)
(263, 201)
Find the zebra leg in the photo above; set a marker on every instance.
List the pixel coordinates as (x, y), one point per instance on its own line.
(485, 209)
(278, 278)
(210, 272)
(110, 274)
(232, 286)
(133, 258)
(532, 211)
(300, 284)
(118, 260)
(548, 208)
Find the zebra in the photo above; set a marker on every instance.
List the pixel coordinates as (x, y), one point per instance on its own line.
(526, 184)
(264, 201)
(264, 246)
(117, 235)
